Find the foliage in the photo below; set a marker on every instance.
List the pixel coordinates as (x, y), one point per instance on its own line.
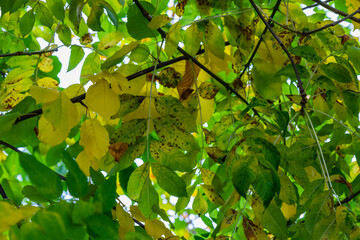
(200, 120)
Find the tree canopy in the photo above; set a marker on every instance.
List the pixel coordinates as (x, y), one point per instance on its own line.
(192, 119)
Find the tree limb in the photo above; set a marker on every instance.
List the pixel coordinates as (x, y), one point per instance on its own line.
(300, 83)
(335, 10)
(315, 5)
(28, 53)
(3, 193)
(348, 198)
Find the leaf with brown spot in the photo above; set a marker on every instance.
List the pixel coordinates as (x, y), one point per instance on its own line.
(187, 81)
(117, 150)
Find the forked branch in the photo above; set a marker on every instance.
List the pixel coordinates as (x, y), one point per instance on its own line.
(335, 10)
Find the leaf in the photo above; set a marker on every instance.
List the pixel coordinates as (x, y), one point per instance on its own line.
(155, 228)
(57, 8)
(172, 39)
(91, 64)
(76, 55)
(64, 34)
(207, 176)
(75, 178)
(169, 180)
(110, 40)
(289, 71)
(228, 219)
(140, 53)
(43, 94)
(354, 53)
(94, 138)
(306, 52)
(46, 181)
(119, 55)
(214, 40)
(136, 182)
(212, 195)
(50, 135)
(126, 222)
(244, 172)
(106, 194)
(43, 14)
(159, 21)
(337, 72)
(102, 99)
(264, 185)
(52, 223)
(200, 205)
(288, 191)
(102, 225)
(137, 23)
(192, 39)
(94, 17)
(130, 132)
(27, 22)
(149, 200)
(75, 12)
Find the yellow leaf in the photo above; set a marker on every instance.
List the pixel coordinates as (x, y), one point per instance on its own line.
(62, 113)
(207, 109)
(85, 161)
(21, 86)
(47, 82)
(102, 99)
(110, 40)
(50, 135)
(143, 111)
(126, 222)
(11, 100)
(172, 39)
(212, 195)
(200, 205)
(136, 213)
(94, 138)
(207, 176)
(288, 210)
(43, 94)
(214, 40)
(46, 65)
(74, 90)
(159, 21)
(229, 218)
(312, 173)
(155, 228)
(9, 216)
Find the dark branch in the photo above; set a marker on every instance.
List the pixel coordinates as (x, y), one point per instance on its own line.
(28, 53)
(2, 192)
(247, 65)
(348, 198)
(335, 10)
(300, 83)
(315, 5)
(139, 223)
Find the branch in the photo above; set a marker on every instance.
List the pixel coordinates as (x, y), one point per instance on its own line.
(306, 33)
(247, 65)
(335, 10)
(348, 198)
(188, 56)
(28, 53)
(3, 193)
(300, 83)
(315, 5)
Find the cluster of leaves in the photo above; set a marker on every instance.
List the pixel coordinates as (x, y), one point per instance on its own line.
(252, 128)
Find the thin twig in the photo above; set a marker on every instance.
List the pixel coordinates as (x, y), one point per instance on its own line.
(315, 5)
(3, 193)
(306, 33)
(28, 53)
(248, 63)
(300, 83)
(335, 10)
(348, 198)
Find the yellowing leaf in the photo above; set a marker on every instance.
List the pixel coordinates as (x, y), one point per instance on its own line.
(94, 138)
(50, 135)
(110, 40)
(74, 90)
(288, 210)
(85, 161)
(229, 218)
(155, 228)
(17, 74)
(126, 222)
(172, 39)
(207, 176)
(212, 195)
(136, 213)
(46, 65)
(159, 21)
(9, 216)
(192, 39)
(102, 99)
(47, 82)
(200, 205)
(62, 113)
(43, 94)
(143, 111)
(214, 40)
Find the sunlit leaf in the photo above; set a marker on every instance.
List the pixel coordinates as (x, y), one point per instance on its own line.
(214, 40)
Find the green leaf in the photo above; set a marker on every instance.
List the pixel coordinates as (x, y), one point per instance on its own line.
(57, 8)
(75, 179)
(214, 40)
(91, 64)
(137, 181)
(172, 39)
(106, 194)
(31, 193)
(81, 211)
(356, 148)
(351, 100)
(130, 132)
(46, 181)
(43, 14)
(149, 199)
(101, 225)
(94, 17)
(119, 55)
(288, 71)
(52, 224)
(337, 72)
(27, 22)
(192, 39)
(75, 12)
(169, 180)
(354, 56)
(274, 221)
(288, 191)
(64, 34)
(13, 189)
(110, 12)
(140, 53)
(306, 52)
(137, 23)
(31, 230)
(244, 172)
(264, 185)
